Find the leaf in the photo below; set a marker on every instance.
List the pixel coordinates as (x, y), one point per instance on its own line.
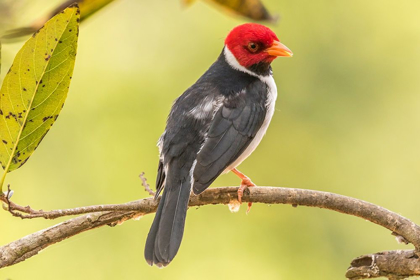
(253, 9)
(187, 2)
(87, 8)
(35, 88)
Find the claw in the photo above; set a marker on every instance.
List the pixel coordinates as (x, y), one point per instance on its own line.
(246, 183)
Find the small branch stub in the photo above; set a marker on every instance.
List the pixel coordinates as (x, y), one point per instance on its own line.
(399, 264)
(145, 184)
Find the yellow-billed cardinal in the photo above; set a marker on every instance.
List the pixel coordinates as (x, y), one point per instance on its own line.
(212, 127)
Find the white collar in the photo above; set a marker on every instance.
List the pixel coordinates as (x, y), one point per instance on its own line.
(233, 62)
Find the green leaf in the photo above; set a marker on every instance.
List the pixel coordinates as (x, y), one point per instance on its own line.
(35, 88)
(87, 8)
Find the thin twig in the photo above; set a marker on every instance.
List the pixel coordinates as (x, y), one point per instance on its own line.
(54, 214)
(30, 245)
(11, 207)
(146, 185)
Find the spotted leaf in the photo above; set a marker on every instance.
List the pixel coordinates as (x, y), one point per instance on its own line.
(35, 88)
(87, 8)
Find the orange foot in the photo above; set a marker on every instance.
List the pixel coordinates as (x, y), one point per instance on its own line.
(246, 183)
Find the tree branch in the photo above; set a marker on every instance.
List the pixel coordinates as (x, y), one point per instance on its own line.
(392, 264)
(112, 215)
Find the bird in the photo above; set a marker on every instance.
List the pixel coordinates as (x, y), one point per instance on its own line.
(211, 129)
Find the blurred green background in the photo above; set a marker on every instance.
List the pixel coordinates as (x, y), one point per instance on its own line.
(347, 121)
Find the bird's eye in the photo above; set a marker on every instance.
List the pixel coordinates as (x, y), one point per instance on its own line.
(253, 47)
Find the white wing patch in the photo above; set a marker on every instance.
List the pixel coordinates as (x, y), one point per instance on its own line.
(160, 145)
(208, 106)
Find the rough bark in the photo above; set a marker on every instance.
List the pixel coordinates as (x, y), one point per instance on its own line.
(392, 264)
(101, 215)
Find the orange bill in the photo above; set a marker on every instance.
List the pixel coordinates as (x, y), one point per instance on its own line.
(278, 49)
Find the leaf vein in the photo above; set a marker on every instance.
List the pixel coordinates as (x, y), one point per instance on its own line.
(58, 65)
(30, 104)
(20, 83)
(42, 135)
(43, 102)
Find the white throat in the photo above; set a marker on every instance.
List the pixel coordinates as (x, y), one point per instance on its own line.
(233, 62)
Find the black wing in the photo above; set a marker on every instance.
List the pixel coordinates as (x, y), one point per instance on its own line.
(160, 179)
(233, 128)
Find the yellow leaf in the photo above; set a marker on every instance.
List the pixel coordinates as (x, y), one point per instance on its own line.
(253, 9)
(35, 88)
(187, 2)
(87, 8)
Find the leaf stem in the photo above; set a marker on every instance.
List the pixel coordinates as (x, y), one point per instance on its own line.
(3, 177)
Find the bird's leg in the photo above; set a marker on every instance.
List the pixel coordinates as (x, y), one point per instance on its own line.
(245, 183)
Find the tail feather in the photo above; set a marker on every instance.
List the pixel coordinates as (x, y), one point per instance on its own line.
(150, 241)
(166, 233)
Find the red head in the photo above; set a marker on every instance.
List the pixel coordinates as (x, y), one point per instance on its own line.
(253, 43)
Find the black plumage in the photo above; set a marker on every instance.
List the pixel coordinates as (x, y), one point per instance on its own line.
(233, 128)
(209, 127)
